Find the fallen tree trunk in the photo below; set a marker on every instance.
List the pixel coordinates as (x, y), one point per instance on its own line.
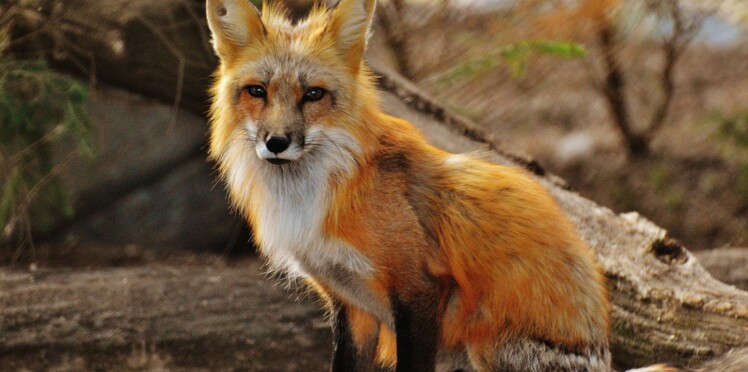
(666, 306)
(188, 313)
(727, 264)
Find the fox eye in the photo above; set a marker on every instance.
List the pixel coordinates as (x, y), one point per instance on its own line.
(256, 91)
(314, 94)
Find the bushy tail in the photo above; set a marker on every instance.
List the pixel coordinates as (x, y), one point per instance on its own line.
(655, 368)
(735, 360)
(529, 355)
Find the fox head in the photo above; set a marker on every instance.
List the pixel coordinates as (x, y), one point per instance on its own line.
(285, 90)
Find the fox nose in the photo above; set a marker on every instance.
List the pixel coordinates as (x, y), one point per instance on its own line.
(277, 144)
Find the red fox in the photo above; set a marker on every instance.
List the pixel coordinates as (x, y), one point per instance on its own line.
(428, 260)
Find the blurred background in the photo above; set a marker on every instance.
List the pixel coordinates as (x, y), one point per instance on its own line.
(641, 105)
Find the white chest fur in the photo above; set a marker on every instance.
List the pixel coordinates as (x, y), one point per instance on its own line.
(291, 203)
(293, 241)
(290, 223)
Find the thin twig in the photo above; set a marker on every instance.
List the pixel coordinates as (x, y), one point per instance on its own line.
(614, 89)
(673, 48)
(176, 53)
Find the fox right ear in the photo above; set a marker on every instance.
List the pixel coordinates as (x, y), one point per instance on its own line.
(233, 23)
(349, 26)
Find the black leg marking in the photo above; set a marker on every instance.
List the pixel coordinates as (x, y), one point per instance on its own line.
(343, 348)
(417, 330)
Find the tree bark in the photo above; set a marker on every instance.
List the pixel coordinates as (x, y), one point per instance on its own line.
(159, 49)
(188, 313)
(666, 307)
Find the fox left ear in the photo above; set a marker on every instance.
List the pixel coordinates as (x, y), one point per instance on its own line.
(349, 26)
(234, 24)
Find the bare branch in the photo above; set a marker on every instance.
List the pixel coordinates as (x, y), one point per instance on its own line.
(180, 68)
(614, 89)
(672, 47)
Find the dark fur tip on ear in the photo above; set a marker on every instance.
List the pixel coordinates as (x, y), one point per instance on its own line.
(349, 27)
(221, 10)
(350, 20)
(234, 24)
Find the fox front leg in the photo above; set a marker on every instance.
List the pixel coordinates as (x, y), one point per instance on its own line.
(355, 336)
(343, 347)
(417, 330)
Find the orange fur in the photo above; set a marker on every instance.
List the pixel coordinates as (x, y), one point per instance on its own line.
(507, 263)
(521, 273)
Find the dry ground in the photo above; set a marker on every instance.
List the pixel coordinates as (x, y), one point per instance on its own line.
(132, 310)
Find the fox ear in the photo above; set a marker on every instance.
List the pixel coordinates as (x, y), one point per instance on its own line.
(233, 23)
(349, 26)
